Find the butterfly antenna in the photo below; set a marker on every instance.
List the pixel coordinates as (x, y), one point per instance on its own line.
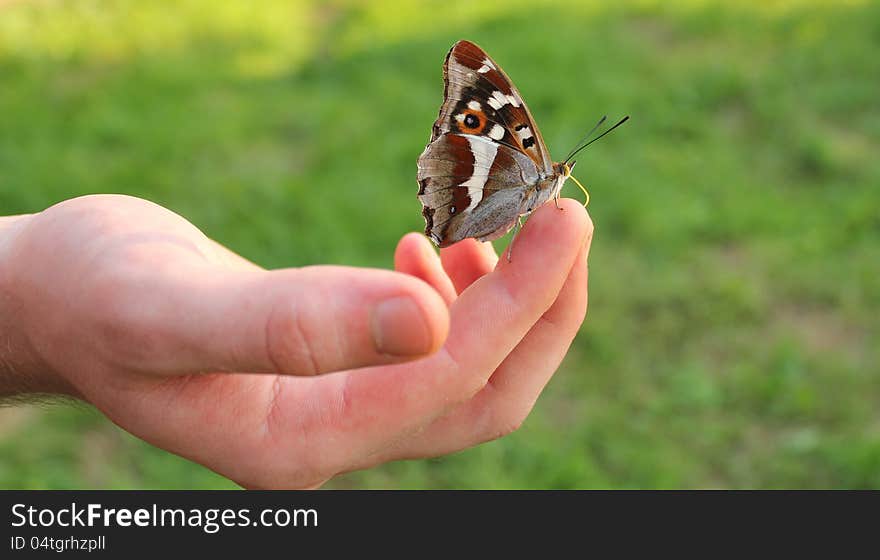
(587, 194)
(620, 122)
(584, 139)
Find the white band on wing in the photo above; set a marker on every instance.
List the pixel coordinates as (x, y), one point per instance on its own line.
(484, 153)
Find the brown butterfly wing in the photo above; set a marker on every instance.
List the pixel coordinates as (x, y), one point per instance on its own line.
(472, 186)
(486, 156)
(480, 99)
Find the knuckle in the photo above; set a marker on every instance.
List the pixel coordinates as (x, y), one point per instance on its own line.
(500, 421)
(471, 386)
(291, 342)
(314, 464)
(509, 423)
(466, 384)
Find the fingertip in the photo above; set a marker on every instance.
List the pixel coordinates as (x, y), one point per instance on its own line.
(415, 255)
(576, 221)
(551, 234)
(463, 247)
(410, 247)
(467, 261)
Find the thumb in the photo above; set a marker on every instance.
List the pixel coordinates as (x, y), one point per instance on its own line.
(295, 321)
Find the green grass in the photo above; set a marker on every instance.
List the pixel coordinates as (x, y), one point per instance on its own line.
(733, 332)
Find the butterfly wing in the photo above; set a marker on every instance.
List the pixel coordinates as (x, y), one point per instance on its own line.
(472, 186)
(479, 93)
(484, 155)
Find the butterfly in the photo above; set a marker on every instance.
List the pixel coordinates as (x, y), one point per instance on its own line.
(486, 164)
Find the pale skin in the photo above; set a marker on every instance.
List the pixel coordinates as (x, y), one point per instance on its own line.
(125, 305)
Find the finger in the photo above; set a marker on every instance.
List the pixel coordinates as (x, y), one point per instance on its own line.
(504, 403)
(487, 321)
(415, 256)
(296, 321)
(467, 261)
(546, 344)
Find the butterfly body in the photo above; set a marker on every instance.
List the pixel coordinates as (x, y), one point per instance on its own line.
(486, 163)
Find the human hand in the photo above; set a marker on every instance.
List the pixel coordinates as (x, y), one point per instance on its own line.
(126, 305)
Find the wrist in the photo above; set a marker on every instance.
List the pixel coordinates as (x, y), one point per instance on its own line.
(22, 371)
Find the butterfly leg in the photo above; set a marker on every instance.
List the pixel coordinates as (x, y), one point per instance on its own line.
(519, 224)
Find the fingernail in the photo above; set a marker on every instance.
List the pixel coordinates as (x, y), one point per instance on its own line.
(400, 329)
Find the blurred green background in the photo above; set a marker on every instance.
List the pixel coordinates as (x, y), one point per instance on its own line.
(732, 337)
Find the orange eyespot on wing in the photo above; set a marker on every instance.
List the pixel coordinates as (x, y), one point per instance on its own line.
(471, 121)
